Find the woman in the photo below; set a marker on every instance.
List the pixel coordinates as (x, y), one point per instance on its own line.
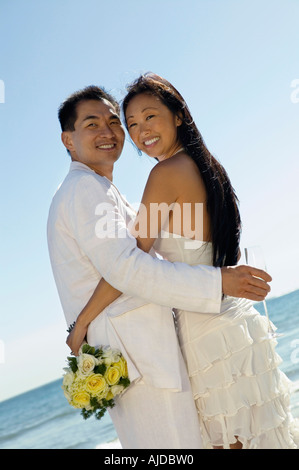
(240, 394)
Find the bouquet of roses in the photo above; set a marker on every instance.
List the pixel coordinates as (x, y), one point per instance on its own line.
(94, 378)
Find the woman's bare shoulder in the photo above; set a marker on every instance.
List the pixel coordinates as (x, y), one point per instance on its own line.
(179, 165)
(167, 178)
(175, 179)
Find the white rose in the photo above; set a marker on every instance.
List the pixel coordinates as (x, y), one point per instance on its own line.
(86, 363)
(110, 355)
(116, 389)
(99, 361)
(68, 378)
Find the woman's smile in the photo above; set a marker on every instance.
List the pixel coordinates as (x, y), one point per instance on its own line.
(151, 142)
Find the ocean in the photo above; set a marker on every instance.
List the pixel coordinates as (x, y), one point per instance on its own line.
(42, 418)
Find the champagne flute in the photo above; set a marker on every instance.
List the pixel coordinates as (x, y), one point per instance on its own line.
(254, 257)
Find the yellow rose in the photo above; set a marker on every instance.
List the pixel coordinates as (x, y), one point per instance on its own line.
(122, 366)
(112, 375)
(81, 400)
(96, 385)
(109, 395)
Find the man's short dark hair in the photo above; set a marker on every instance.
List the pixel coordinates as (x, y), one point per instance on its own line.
(67, 113)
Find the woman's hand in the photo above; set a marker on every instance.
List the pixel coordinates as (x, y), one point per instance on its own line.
(76, 338)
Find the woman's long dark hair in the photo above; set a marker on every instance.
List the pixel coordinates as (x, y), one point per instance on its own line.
(222, 202)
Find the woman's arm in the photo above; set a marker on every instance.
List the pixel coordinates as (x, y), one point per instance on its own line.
(159, 197)
(103, 296)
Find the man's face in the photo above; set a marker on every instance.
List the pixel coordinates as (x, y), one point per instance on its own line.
(98, 138)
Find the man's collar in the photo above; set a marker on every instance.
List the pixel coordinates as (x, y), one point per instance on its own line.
(80, 166)
(75, 165)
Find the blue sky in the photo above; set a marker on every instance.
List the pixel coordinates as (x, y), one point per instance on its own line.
(234, 61)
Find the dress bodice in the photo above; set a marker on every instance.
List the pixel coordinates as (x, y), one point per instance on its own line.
(174, 248)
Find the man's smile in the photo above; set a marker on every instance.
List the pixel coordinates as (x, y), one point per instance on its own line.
(106, 146)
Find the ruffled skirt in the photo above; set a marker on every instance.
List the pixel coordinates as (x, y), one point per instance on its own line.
(237, 386)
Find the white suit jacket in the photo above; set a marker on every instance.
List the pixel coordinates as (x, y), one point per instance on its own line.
(88, 238)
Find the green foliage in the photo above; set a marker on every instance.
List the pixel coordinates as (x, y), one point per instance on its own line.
(72, 361)
(125, 381)
(100, 369)
(99, 408)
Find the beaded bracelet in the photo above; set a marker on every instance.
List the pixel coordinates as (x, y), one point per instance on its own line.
(71, 327)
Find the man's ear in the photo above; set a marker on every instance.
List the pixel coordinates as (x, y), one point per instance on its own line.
(66, 137)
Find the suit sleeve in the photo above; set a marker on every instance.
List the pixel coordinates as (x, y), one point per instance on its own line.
(100, 228)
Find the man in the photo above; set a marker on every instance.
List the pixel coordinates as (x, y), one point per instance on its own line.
(157, 410)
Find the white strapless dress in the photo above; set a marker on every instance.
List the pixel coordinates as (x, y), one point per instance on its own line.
(237, 385)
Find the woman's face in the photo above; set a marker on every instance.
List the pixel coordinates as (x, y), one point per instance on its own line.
(152, 126)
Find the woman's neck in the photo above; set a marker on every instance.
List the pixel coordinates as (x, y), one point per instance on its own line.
(177, 149)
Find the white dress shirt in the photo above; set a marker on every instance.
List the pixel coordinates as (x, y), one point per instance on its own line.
(80, 258)
(88, 238)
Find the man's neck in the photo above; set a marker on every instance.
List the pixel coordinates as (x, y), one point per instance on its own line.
(107, 171)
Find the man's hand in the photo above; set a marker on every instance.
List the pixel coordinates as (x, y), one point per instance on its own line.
(246, 282)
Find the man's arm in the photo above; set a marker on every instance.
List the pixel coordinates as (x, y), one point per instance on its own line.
(105, 294)
(101, 232)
